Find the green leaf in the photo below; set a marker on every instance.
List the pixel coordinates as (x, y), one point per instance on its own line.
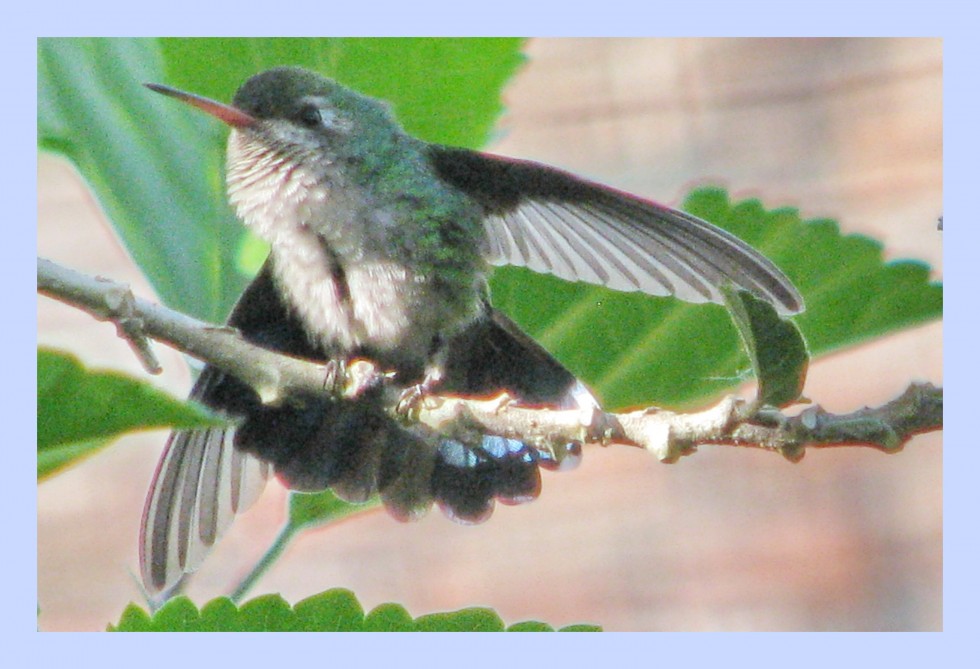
(306, 509)
(450, 94)
(851, 294)
(268, 613)
(531, 626)
(180, 615)
(133, 619)
(466, 620)
(79, 411)
(636, 350)
(336, 610)
(389, 618)
(581, 627)
(775, 347)
(156, 165)
(154, 168)
(217, 615)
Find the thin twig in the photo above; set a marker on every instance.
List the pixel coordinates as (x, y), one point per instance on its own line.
(272, 375)
(666, 434)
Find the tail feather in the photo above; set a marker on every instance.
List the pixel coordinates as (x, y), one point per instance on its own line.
(200, 484)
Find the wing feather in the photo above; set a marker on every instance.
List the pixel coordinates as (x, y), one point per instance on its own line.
(556, 223)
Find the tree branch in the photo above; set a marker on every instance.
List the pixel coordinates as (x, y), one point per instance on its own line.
(732, 422)
(666, 434)
(272, 375)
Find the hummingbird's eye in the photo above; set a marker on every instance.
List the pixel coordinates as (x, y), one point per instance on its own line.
(310, 116)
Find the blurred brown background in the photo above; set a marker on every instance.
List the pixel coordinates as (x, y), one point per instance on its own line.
(849, 539)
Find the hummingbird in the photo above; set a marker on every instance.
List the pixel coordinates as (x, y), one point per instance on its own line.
(380, 248)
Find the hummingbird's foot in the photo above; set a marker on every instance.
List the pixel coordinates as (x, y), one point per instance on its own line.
(351, 378)
(335, 377)
(410, 400)
(412, 397)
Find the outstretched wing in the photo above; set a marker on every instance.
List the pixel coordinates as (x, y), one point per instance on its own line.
(553, 222)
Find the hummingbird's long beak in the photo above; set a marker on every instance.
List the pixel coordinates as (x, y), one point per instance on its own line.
(231, 115)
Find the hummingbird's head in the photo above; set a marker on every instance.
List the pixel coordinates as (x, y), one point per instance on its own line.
(301, 115)
(299, 111)
(295, 135)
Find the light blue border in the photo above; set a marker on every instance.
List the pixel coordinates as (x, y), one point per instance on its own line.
(946, 19)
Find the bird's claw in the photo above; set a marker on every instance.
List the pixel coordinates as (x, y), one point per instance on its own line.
(351, 378)
(410, 402)
(335, 376)
(411, 399)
